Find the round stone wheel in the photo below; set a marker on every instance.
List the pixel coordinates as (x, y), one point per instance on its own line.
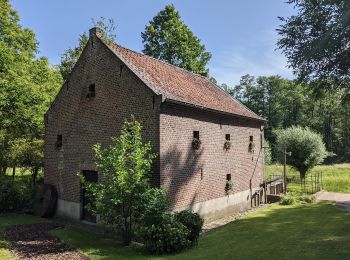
(45, 201)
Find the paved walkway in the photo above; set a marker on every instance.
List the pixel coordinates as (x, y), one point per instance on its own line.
(342, 200)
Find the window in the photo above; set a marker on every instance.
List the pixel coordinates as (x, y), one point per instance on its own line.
(251, 138)
(196, 134)
(59, 141)
(261, 141)
(227, 137)
(228, 177)
(91, 92)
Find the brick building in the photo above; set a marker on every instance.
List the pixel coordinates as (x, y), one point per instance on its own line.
(107, 85)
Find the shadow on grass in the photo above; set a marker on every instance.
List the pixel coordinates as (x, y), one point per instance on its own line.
(317, 231)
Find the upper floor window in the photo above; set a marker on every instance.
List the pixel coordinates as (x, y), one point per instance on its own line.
(92, 91)
(59, 141)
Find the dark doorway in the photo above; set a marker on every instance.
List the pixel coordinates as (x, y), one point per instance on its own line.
(90, 176)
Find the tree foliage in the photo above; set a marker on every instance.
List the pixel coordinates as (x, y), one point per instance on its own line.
(285, 103)
(71, 55)
(315, 40)
(125, 170)
(28, 85)
(169, 39)
(306, 148)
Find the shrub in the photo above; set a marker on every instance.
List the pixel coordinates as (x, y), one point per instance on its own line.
(15, 194)
(164, 232)
(193, 222)
(166, 235)
(307, 198)
(288, 199)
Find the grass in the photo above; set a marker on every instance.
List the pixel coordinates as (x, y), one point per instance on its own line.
(9, 220)
(336, 177)
(315, 231)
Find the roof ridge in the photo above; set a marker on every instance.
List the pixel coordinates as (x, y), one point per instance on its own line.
(164, 62)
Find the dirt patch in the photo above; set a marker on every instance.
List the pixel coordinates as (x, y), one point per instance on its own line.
(35, 242)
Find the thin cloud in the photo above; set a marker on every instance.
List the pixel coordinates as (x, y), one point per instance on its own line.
(259, 58)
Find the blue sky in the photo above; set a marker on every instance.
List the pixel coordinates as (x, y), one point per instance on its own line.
(240, 34)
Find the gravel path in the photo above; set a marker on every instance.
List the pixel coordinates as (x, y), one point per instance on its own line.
(35, 242)
(342, 200)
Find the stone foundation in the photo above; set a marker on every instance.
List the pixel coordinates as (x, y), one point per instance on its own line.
(220, 207)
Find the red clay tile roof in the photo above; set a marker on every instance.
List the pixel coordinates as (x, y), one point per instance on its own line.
(179, 85)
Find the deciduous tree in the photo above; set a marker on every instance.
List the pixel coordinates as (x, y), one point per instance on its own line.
(169, 39)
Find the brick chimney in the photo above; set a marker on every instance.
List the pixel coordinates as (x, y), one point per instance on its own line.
(205, 74)
(95, 31)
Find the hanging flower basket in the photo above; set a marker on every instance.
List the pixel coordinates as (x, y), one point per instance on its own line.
(251, 147)
(228, 186)
(227, 145)
(196, 143)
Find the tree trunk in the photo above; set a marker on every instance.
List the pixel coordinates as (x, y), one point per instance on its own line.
(13, 171)
(3, 170)
(35, 171)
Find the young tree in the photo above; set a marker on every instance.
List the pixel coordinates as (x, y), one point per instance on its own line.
(125, 170)
(71, 55)
(306, 148)
(167, 38)
(315, 40)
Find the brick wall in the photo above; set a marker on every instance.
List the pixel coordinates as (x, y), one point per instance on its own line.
(84, 121)
(192, 176)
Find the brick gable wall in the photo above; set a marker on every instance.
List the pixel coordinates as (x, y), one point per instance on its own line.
(84, 121)
(193, 176)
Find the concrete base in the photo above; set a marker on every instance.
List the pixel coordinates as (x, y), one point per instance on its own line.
(209, 210)
(220, 207)
(68, 209)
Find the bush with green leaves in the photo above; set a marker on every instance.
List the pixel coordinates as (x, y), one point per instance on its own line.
(306, 198)
(193, 222)
(119, 197)
(16, 194)
(165, 232)
(288, 199)
(305, 148)
(159, 230)
(292, 198)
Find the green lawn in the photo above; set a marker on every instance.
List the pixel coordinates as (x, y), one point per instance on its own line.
(316, 231)
(336, 177)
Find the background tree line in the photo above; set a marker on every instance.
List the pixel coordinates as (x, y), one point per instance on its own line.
(286, 103)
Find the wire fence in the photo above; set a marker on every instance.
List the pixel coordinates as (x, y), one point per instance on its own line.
(311, 184)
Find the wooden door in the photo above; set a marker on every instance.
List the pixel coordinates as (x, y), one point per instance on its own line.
(90, 176)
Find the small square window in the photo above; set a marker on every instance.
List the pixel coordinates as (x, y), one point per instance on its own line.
(196, 134)
(251, 139)
(59, 141)
(92, 91)
(228, 177)
(227, 137)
